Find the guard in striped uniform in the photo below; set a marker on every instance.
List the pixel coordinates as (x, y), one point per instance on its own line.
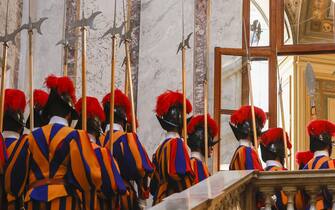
(196, 142)
(273, 149)
(40, 100)
(302, 158)
(321, 133)
(173, 172)
(320, 137)
(53, 163)
(15, 103)
(245, 156)
(273, 154)
(112, 184)
(13, 125)
(3, 155)
(128, 151)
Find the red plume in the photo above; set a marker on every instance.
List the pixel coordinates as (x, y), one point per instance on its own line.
(273, 135)
(93, 108)
(244, 114)
(168, 99)
(15, 100)
(120, 99)
(199, 121)
(63, 85)
(51, 81)
(318, 127)
(303, 158)
(40, 98)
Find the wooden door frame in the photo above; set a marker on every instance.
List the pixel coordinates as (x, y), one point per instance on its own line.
(276, 47)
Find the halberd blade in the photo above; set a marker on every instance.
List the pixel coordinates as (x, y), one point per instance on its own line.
(89, 22)
(310, 80)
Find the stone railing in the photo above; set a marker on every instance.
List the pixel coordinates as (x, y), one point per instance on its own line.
(237, 190)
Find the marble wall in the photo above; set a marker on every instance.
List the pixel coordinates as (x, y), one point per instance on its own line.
(47, 56)
(157, 67)
(99, 50)
(13, 53)
(160, 66)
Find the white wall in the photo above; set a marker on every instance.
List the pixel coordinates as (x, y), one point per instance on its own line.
(159, 66)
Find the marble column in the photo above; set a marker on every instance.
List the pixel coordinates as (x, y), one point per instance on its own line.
(72, 14)
(201, 44)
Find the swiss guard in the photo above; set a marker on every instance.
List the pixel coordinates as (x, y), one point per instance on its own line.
(40, 100)
(302, 158)
(172, 151)
(273, 154)
(112, 183)
(52, 163)
(273, 149)
(245, 156)
(196, 142)
(13, 125)
(128, 151)
(320, 137)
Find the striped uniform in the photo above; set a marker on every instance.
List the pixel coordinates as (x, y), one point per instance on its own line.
(324, 200)
(52, 164)
(173, 172)
(3, 157)
(281, 198)
(134, 164)
(245, 158)
(11, 139)
(3, 154)
(112, 183)
(200, 170)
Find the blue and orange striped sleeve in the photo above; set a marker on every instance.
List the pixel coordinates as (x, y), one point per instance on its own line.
(85, 167)
(253, 162)
(179, 163)
(112, 182)
(17, 169)
(200, 170)
(245, 158)
(142, 161)
(3, 156)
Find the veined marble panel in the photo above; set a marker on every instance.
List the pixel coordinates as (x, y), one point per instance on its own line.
(160, 66)
(47, 56)
(13, 52)
(98, 66)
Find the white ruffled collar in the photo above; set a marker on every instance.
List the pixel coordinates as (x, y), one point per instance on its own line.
(58, 120)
